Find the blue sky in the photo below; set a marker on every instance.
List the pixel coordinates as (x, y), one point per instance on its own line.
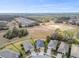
(39, 6)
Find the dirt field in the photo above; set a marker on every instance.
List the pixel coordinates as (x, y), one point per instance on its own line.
(39, 32)
(44, 30)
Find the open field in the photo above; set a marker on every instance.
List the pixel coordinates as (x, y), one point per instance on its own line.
(35, 33)
(38, 32)
(47, 29)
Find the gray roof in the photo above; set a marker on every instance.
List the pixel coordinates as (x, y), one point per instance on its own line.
(3, 23)
(7, 53)
(53, 44)
(39, 43)
(26, 22)
(75, 51)
(28, 46)
(63, 47)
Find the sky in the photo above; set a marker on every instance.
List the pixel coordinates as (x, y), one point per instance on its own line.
(39, 6)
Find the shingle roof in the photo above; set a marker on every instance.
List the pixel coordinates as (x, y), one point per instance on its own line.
(39, 43)
(63, 48)
(25, 21)
(7, 53)
(75, 51)
(53, 44)
(3, 23)
(28, 46)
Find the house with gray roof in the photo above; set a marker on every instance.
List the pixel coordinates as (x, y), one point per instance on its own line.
(28, 46)
(75, 51)
(39, 43)
(53, 44)
(3, 25)
(26, 22)
(7, 53)
(63, 48)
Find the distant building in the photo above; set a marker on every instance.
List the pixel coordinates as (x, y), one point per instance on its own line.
(24, 22)
(63, 48)
(71, 21)
(7, 53)
(3, 25)
(75, 51)
(13, 24)
(74, 21)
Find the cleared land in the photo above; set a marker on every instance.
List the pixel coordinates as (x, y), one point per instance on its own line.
(38, 32)
(47, 29)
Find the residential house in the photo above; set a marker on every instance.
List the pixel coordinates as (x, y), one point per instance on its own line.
(7, 53)
(63, 48)
(28, 46)
(3, 25)
(52, 46)
(40, 46)
(24, 22)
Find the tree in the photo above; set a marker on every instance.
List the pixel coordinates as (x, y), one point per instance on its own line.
(57, 35)
(68, 36)
(15, 33)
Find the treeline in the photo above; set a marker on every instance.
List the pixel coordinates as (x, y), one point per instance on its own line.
(40, 19)
(68, 36)
(62, 19)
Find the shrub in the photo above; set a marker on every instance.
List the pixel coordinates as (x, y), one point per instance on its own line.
(15, 33)
(66, 36)
(57, 35)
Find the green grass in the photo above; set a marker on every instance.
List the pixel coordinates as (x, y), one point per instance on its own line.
(18, 48)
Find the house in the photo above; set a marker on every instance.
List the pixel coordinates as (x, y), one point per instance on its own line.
(40, 47)
(13, 24)
(75, 51)
(28, 46)
(63, 48)
(24, 22)
(39, 44)
(3, 25)
(71, 21)
(7, 53)
(52, 46)
(74, 21)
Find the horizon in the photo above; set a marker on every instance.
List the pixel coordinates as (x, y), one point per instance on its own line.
(39, 6)
(40, 13)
